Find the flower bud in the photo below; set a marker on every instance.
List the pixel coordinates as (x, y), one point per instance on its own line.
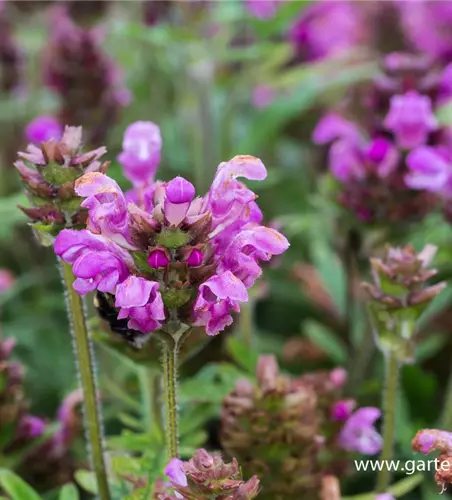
(158, 259)
(398, 295)
(179, 190)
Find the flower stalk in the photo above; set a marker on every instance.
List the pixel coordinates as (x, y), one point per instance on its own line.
(85, 364)
(169, 359)
(389, 409)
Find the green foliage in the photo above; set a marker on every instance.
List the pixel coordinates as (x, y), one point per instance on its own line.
(15, 487)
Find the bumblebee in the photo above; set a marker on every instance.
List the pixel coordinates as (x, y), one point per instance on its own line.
(105, 306)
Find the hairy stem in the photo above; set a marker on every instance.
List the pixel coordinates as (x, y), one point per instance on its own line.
(85, 365)
(169, 358)
(389, 420)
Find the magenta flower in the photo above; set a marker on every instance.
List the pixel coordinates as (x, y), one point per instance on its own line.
(172, 251)
(342, 410)
(30, 427)
(352, 160)
(327, 28)
(141, 149)
(139, 300)
(43, 129)
(426, 24)
(429, 169)
(411, 119)
(338, 377)
(333, 126)
(359, 433)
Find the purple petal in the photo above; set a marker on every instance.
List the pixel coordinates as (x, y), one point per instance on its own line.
(175, 472)
(134, 292)
(43, 128)
(179, 190)
(428, 169)
(333, 126)
(140, 157)
(226, 286)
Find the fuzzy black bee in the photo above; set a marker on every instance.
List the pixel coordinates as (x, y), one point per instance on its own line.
(105, 305)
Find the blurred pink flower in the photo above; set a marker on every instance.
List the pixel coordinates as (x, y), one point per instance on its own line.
(359, 433)
(6, 280)
(263, 96)
(43, 128)
(263, 9)
(141, 149)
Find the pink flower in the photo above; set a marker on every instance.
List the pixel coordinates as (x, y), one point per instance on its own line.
(169, 251)
(428, 440)
(30, 427)
(262, 96)
(141, 148)
(44, 128)
(359, 433)
(327, 28)
(249, 246)
(216, 297)
(6, 280)
(107, 207)
(263, 9)
(342, 410)
(411, 119)
(429, 169)
(333, 126)
(174, 471)
(140, 300)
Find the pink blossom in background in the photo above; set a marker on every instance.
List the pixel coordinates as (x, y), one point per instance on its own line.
(411, 119)
(328, 28)
(359, 433)
(263, 9)
(44, 128)
(263, 96)
(6, 280)
(141, 149)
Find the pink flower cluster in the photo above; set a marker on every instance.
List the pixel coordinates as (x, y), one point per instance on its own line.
(403, 148)
(169, 253)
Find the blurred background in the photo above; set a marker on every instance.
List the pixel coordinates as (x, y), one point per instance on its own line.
(220, 79)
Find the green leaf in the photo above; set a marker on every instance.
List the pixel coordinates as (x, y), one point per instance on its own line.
(331, 272)
(86, 480)
(16, 488)
(405, 485)
(242, 354)
(397, 490)
(68, 492)
(430, 346)
(326, 340)
(438, 304)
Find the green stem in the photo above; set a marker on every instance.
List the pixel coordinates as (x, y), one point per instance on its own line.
(170, 389)
(85, 365)
(389, 422)
(446, 417)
